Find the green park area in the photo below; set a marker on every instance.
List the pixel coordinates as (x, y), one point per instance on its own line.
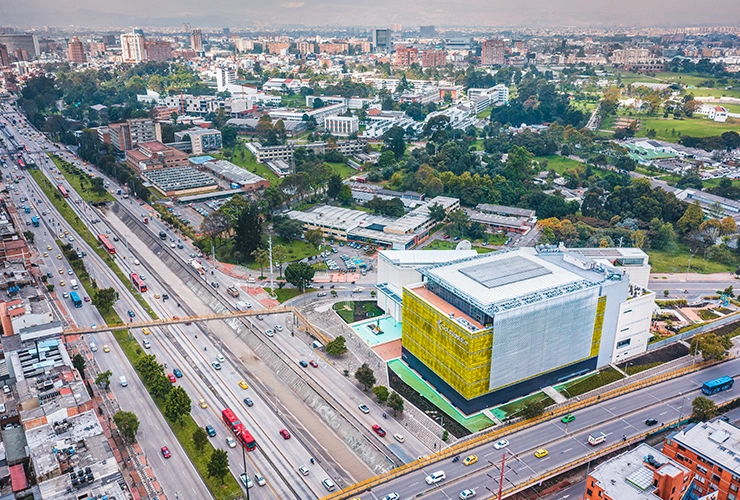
(473, 423)
(81, 182)
(242, 157)
(513, 408)
(670, 129)
(677, 261)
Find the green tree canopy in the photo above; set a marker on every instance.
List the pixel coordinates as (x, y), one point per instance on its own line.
(177, 405)
(218, 465)
(127, 423)
(703, 409)
(365, 376)
(299, 274)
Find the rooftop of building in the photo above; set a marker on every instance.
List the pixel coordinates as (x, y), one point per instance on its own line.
(233, 173)
(504, 210)
(418, 258)
(629, 476)
(179, 178)
(493, 280)
(716, 441)
(154, 147)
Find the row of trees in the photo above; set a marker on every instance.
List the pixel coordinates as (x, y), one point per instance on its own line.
(366, 376)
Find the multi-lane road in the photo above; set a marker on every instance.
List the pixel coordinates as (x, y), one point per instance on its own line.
(278, 459)
(624, 416)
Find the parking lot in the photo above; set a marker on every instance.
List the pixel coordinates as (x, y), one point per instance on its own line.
(347, 257)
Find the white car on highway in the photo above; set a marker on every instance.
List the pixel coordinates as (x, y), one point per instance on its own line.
(231, 442)
(499, 445)
(465, 494)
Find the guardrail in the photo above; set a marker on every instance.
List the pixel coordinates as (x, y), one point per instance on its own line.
(482, 439)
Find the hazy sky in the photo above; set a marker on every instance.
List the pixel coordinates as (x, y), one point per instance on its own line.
(242, 13)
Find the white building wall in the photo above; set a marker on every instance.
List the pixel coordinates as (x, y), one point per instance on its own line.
(633, 327)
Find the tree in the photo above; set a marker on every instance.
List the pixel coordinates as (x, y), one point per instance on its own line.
(104, 379)
(395, 403)
(29, 236)
(218, 465)
(393, 141)
(703, 409)
(639, 239)
(345, 194)
(215, 223)
(691, 219)
(299, 274)
(78, 361)
(280, 255)
(437, 212)
(314, 237)
(387, 159)
(381, 393)
(711, 346)
(728, 226)
(248, 230)
(200, 438)
(336, 347)
(287, 228)
(333, 185)
(127, 423)
(366, 376)
(533, 410)
(177, 405)
(262, 257)
(160, 385)
(105, 298)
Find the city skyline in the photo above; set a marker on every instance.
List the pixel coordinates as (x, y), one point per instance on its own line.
(531, 13)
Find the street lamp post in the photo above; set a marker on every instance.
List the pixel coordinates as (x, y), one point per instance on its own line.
(246, 476)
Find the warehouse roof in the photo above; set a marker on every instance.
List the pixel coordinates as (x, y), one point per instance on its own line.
(179, 179)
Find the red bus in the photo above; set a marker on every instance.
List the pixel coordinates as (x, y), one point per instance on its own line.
(138, 282)
(103, 239)
(64, 192)
(241, 432)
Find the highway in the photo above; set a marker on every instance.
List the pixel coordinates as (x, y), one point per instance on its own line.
(624, 415)
(154, 432)
(204, 381)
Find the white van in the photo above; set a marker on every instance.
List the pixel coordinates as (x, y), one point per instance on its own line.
(123, 380)
(435, 477)
(328, 484)
(74, 284)
(251, 280)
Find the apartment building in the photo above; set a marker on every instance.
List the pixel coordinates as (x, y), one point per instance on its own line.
(76, 51)
(640, 474)
(158, 50)
(133, 50)
(342, 125)
(433, 58)
(406, 56)
(708, 450)
(201, 139)
(492, 53)
(155, 155)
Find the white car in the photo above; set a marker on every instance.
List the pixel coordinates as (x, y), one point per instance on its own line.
(465, 494)
(220, 359)
(147, 344)
(391, 496)
(303, 470)
(246, 480)
(231, 442)
(260, 480)
(499, 445)
(399, 438)
(269, 333)
(364, 409)
(216, 365)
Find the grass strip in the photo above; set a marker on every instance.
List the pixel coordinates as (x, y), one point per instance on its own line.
(184, 433)
(81, 229)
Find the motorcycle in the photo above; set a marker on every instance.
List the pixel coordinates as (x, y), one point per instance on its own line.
(457, 458)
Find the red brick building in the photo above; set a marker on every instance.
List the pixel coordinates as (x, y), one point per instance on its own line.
(406, 56)
(712, 452)
(640, 473)
(492, 53)
(433, 58)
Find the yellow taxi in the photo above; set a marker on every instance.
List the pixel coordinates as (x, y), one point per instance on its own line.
(46, 254)
(470, 459)
(146, 331)
(48, 247)
(106, 348)
(62, 283)
(541, 453)
(243, 384)
(59, 256)
(61, 271)
(66, 233)
(202, 403)
(156, 296)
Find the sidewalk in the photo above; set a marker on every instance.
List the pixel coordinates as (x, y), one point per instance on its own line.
(423, 427)
(695, 277)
